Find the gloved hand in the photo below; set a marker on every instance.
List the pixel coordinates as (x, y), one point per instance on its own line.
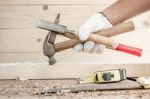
(94, 24)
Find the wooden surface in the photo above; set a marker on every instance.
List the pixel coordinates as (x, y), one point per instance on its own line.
(12, 89)
(44, 71)
(125, 84)
(24, 2)
(18, 32)
(21, 41)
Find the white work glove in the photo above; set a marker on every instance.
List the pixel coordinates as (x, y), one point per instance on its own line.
(94, 24)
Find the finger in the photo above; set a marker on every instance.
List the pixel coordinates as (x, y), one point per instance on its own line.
(78, 48)
(76, 32)
(88, 46)
(98, 48)
(95, 49)
(101, 48)
(83, 34)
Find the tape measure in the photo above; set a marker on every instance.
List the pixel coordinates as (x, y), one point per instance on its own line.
(104, 76)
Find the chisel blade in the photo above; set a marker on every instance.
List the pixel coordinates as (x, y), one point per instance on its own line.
(51, 26)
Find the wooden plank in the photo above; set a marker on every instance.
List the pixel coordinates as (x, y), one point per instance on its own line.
(27, 16)
(21, 40)
(31, 2)
(11, 89)
(24, 37)
(122, 85)
(44, 71)
(31, 40)
(71, 57)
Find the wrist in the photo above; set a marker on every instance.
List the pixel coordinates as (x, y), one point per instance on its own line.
(105, 17)
(97, 22)
(110, 17)
(104, 22)
(93, 24)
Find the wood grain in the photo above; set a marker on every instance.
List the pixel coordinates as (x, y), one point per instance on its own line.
(31, 40)
(125, 85)
(37, 2)
(12, 17)
(69, 56)
(18, 33)
(44, 71)
(21, 42)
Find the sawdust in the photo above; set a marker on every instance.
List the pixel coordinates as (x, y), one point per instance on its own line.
(29, 87)
(32, 87)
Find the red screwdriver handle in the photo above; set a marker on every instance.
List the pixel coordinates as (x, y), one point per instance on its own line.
(129, 49)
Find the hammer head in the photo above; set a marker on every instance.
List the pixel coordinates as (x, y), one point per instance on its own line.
(48, 48)
(48, 45)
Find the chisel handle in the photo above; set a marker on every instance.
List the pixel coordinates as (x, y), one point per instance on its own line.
(118, 29)
(115, 30)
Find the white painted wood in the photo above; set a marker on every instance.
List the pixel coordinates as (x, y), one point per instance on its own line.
(44, 71)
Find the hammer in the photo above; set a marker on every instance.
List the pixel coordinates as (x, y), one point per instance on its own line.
(93, 37)
(48, 45)
(50, 48)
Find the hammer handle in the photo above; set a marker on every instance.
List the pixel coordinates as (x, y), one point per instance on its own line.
(66, 44)
(119, 29)
(128, 49)
(115, 46)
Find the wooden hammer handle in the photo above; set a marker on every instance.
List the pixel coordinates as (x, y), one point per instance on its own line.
(119, 29)
(101, 40)
(128, 49)
(66, 44)
(115, 46)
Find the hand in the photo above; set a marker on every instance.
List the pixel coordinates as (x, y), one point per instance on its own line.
(94, 24)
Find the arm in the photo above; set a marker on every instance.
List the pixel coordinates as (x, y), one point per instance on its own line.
(126, 9)
(115, 14)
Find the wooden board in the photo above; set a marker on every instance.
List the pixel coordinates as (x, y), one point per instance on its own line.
(12, 89)
(44, 71)
(27, 16)
(31, 40)
(69, 56)
(32, 2)
(21, 42)
(126, 84)
(19, 17)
